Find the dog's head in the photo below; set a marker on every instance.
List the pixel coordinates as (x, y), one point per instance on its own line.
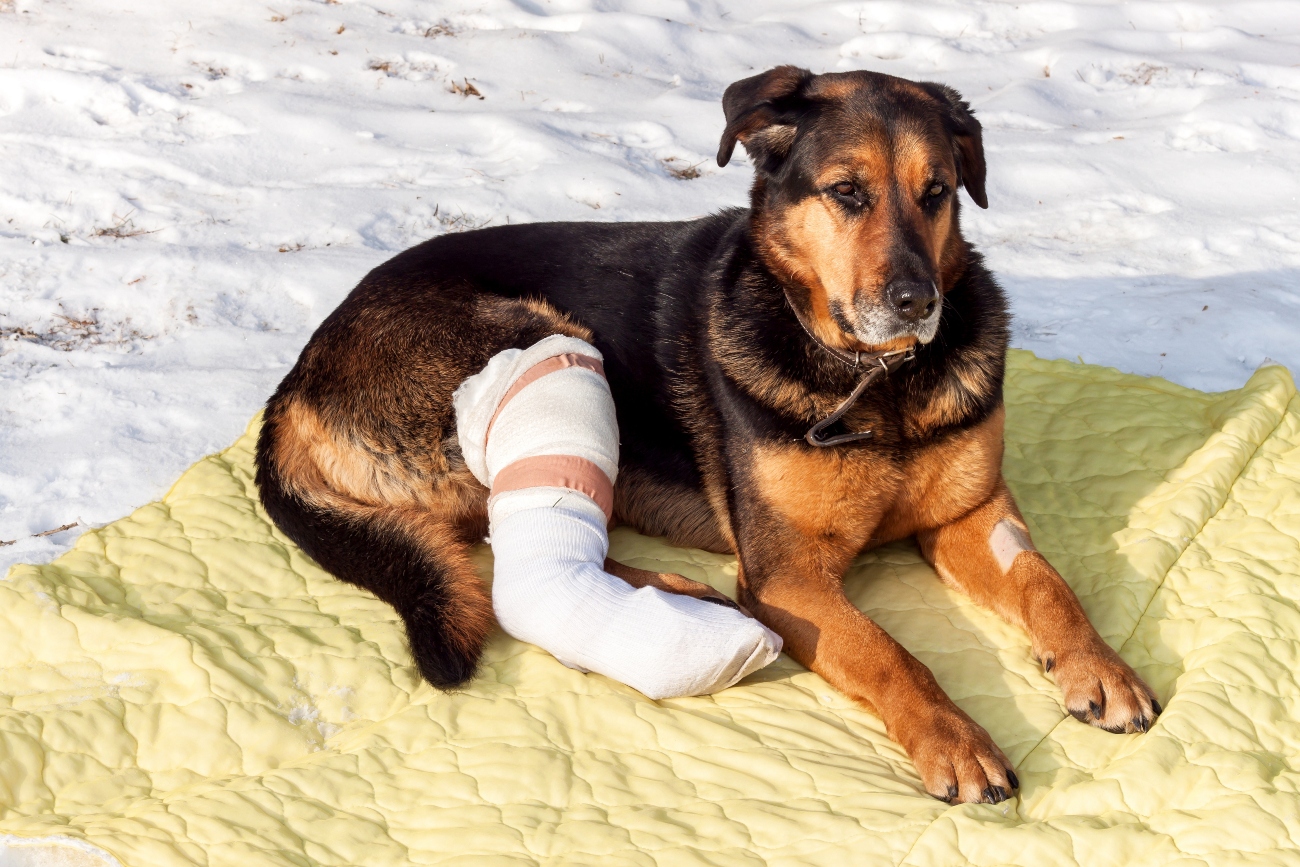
(855, 198)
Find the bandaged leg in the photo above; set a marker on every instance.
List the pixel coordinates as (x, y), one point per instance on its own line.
(537, 426)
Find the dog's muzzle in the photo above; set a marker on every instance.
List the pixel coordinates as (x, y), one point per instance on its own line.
(909, 308)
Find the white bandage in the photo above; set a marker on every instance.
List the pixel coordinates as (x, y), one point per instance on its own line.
(537, 426)
(1008, 540)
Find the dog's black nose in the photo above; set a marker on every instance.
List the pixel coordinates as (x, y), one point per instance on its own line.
(914, 300)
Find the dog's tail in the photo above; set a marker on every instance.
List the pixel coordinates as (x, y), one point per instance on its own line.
(407, 556)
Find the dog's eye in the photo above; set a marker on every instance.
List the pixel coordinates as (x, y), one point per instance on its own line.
(937, 190)
(844, 188)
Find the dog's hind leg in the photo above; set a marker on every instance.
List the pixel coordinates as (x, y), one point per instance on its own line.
(539, 427)
(669, 582)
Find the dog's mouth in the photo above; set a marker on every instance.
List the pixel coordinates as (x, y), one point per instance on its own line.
(880, 330)
(929, 327)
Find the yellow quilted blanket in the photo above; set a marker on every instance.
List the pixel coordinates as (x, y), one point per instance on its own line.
(186, 687)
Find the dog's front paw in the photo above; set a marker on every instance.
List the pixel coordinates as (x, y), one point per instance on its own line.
(1101, 690)
(957, 760)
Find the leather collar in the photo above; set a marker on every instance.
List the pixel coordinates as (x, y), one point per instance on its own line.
(876, 365)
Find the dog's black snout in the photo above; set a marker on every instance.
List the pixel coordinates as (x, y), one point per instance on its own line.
(914, 300)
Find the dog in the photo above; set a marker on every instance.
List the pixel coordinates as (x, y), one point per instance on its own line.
(795, 382)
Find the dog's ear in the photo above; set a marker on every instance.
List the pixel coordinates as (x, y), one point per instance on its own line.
(760, 115)
(967, 137)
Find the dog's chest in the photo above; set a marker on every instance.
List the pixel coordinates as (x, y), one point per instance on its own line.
(869, 495)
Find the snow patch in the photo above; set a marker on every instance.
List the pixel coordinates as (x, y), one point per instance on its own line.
(188, 190)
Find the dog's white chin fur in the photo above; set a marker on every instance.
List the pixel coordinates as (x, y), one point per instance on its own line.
(873, 333)
(930, 327)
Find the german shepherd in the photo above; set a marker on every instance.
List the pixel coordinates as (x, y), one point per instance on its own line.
(844, 298)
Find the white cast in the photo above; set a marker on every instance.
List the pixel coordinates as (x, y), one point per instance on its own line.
(550, 543)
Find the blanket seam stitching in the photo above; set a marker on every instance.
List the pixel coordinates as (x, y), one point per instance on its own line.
(1192, 539)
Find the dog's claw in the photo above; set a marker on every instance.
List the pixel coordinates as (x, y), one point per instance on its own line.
(996, 794)
(1013, 779)
(1102, 691)
(718, 600)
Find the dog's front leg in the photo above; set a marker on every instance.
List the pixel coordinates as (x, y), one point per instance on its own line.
(988, 554)
(793, 582)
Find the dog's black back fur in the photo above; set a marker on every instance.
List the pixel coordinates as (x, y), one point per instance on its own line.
(649, 293)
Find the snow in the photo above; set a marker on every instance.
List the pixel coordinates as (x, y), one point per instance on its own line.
(188, 188)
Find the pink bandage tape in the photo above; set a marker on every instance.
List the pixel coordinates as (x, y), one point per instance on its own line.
(554, 471)
(540, 369)
(558, 471)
